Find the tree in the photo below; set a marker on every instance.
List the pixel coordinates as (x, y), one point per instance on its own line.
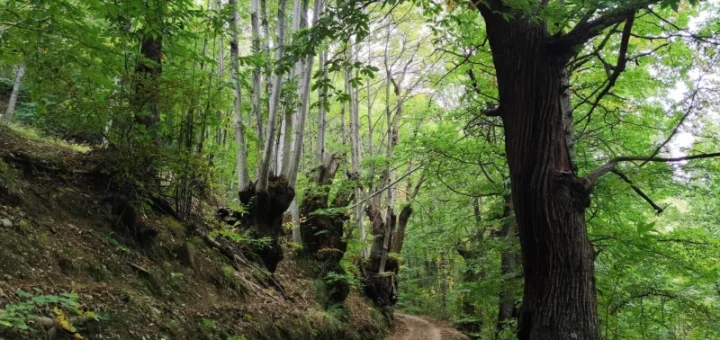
(550, 199)
(19, 74)
(242, 167)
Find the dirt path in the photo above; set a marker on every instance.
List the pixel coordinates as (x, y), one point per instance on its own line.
(409, 327)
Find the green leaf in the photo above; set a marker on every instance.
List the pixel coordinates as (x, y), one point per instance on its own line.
(645, 227)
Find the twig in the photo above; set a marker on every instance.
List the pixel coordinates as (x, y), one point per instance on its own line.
(639, 191)
(389, 185)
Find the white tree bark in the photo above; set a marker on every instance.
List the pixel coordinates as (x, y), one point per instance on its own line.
(369, 105)
(220, 71)
(389, 172)
(264, 173)
(356, 156)
(257, 74)
(300, 126)
(321, 143)
(242, 169)
(19, 74)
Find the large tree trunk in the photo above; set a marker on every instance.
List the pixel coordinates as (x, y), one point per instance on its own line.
(322, 233)
(147, 71)
(19, 74)
(559, 300)
(264, 215)
(380, 284)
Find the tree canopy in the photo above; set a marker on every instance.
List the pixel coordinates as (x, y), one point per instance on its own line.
(530, 169)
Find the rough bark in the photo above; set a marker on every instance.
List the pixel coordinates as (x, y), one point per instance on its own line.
(19, 74)
(265, 209)
(380, 286)
(147, 72)
(322, 232)
(559, 300)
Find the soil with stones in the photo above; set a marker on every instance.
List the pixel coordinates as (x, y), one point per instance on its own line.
(409, 327)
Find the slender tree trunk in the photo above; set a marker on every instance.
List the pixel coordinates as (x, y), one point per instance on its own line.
(300, 123)
(398, 238)
(265, 43)
(355, 154)
(221, 75)
(264, 172)
(287, 134)
(369, 106)
(257, 72)
(343, 132)
(19, 74)
(279, 155)
(242, 168)
(559, 300)
(392, 138)
(321, 143)
(286, 139)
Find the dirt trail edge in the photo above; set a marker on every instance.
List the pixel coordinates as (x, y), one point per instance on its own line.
(409, 327)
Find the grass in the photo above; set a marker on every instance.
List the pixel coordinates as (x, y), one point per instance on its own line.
(34, 135)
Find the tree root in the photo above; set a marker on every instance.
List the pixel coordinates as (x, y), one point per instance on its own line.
(238, 259)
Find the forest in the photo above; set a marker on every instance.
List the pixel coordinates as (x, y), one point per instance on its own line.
(371, 169)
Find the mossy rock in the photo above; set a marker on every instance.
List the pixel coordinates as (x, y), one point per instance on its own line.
(187, 253)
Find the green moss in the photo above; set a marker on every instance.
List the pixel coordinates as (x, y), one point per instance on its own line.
(32, 134)
(197, 241)
(174, 226)
(24, 226)
(228, 271)
(97, 271)
(8, 174)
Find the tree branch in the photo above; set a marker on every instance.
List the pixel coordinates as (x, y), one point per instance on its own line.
(588, 29)
(619, 68)
(638, 191)
(610, 166)
(690, 109)
(408, 173)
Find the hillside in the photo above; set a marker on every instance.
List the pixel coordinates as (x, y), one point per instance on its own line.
(67, 271)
